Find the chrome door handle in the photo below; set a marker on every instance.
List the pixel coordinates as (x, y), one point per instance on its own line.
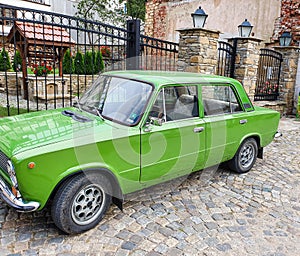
(243, 121)
(198, 129)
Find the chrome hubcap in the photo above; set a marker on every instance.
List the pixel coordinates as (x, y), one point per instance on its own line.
(88, 204)
(247, 155)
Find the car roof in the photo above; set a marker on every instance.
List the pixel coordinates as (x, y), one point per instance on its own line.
(158, 78)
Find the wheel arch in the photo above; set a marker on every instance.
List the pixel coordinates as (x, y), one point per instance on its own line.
(117, 194)
(258, 141)
(236, 164)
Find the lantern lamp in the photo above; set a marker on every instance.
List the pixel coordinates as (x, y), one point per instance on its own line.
(199, 18)
(245, 29)
(285, 39)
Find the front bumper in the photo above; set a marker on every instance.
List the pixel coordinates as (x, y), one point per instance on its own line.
(17, 203)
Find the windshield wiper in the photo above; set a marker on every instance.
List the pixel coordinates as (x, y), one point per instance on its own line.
(91, 108)
(77, 104)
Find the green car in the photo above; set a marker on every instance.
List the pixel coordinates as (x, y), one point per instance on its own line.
(129, 130)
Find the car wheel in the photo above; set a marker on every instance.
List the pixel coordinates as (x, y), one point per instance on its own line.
(245, 157)
(81, 202)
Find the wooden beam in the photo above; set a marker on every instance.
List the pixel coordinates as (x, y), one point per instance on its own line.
(22, 49)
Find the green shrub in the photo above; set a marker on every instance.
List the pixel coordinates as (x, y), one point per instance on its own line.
(4, 60)
(17, 63)
(78, 64)
(88, 63)
(99, 64)
(68, 65)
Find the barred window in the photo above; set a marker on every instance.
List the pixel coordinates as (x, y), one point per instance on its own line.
(7, 17)
(40, 1)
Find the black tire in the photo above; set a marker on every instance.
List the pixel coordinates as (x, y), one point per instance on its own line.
(81, 202)
(245, 157)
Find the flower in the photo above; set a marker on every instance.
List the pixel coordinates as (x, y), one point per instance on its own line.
(105, 51)
(269, 88)
(41, 70)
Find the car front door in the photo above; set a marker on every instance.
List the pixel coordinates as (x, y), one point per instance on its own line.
(173, 142)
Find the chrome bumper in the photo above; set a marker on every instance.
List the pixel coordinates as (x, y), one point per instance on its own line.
(18, 204)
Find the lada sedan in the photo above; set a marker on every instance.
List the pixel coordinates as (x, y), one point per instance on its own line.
(128, 131)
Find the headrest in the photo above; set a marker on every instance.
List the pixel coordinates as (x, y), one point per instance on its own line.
(186, 99)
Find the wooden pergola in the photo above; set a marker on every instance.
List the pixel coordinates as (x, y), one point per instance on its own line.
(39, 42)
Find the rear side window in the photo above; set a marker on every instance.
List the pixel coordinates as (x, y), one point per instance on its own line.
(219, 100)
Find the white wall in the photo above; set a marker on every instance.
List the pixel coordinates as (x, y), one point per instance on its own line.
(67, 7)
(224, 15)
(28, 4)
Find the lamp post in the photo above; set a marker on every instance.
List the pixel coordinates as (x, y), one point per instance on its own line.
(285, 39)
(199, 18)
(245, 29)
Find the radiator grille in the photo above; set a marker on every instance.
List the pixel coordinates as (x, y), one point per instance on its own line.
(3, 161)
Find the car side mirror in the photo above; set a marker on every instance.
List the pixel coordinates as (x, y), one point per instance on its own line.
(156, 121)
(153, 121)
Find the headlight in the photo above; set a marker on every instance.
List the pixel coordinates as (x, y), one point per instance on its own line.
(12, 173)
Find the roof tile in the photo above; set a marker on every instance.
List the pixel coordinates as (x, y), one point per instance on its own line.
(44, 32)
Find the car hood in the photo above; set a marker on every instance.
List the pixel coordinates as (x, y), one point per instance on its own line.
(28, 131)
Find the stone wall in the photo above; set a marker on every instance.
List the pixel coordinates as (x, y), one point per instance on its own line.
(198, 50)
(13, 83)
(288, 75)
(246, 64)
(277, 105)
(10, 82)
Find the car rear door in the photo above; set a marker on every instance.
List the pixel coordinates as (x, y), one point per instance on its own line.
(225, 122)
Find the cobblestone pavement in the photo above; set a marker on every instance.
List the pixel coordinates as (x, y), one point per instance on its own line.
(214, 212)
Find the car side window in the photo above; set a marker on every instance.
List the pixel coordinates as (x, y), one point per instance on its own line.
(175, 103)
(218, 100)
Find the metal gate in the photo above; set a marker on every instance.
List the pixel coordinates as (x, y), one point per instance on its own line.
(267, 83)
(47, 59)
(226, 59)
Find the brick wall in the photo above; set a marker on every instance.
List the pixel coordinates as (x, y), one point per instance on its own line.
(156, 13)
(289, 20)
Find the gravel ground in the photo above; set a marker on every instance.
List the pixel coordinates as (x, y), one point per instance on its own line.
(213, 212)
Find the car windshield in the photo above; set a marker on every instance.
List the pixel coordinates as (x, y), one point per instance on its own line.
(117, 99)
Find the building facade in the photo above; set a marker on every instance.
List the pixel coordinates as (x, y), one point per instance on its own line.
(288, 21)
(164, 17)
(68, 7)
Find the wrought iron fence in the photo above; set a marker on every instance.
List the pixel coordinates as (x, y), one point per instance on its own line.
(226, 58)
(158, 54)
(267, 83)
(54, 57)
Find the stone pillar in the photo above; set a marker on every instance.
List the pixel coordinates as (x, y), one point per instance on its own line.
(198, 50)
(290, 55)
(246, 63)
